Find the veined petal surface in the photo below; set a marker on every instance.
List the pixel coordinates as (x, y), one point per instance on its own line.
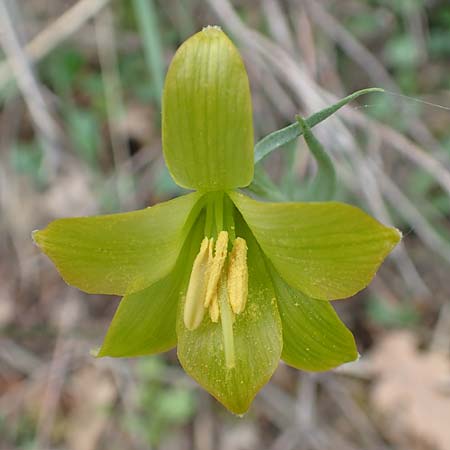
(327, 250)
(207, 125)
(119, 253)
(145, 322)
(257, 341)
(314, 338)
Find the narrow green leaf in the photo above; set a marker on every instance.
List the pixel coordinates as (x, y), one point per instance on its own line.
(314, 338)
(289, 179)
(207, 115)
(324, 184)
(281, 137)
(327, 250)
(119, 253)
(257, 340)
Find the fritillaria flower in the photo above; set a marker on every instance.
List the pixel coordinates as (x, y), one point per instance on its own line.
(234, 283)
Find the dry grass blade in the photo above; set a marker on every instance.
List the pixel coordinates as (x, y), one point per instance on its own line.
(278, 24)
(407, 209)
(353, 412)
(63, 27)
(55, 381)
(47, 129)
(106, 45)
(374, 198)
(366, 60)
(353, 47)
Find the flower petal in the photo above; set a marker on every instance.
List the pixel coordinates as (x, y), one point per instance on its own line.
(145, 322)
(119, 253)
(207, 115)
(257, 342)
(314, 338)
(327, 250)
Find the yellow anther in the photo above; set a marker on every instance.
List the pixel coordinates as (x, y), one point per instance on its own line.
(216, 266)
(214, 311)
(237, 282)
(219, 286)
(196, 292)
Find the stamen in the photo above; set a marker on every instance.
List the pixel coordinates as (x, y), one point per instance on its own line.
(226, 318)
(237, 283)
(214, 310)
(196, 292)
(221, 289)
(216, 266)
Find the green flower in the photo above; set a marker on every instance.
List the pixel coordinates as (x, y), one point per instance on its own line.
(235, 283)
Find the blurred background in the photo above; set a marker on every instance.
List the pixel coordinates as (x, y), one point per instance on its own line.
(80, 90)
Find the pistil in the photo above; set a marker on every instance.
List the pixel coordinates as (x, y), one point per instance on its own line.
(226, 317)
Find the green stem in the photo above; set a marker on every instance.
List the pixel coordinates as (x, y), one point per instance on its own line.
(324, 184)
